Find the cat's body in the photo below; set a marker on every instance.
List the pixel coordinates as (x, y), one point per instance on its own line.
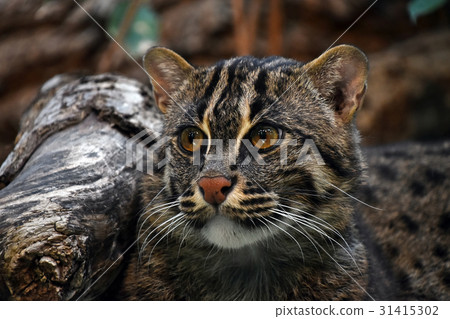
(409, 240)
(260, 222)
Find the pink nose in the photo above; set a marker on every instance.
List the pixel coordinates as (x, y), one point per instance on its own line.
(215, 189)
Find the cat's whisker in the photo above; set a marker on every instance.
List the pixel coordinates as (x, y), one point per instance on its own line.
(209, 254)
(353, 197)
(317, 220)
(249, 217)
(177, 223)
(287, 233)
(340, 266)
(297, 219)
(350, 276)
(275, 224)
(146, 241)
(156, 205)
(170, 229)
(177, 219)
(307, 222)
(320, 222)
(306, 192)
(313, 222)
(184, 234)
(157, 228)
(331, 228)
(153, 199)
(304, 233)
(156, 210)
(166, 207)
(267, 226)
(262, 219)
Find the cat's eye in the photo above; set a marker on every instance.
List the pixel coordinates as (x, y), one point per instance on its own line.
(264, 136)
(191, 139)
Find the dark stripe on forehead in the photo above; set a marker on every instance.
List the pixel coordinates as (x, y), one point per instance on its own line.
(255, 107)
(214, 80)
(260, 83)
(209, 90)
(258, 105)
(232, 72)
(201, 108)
(231, 75)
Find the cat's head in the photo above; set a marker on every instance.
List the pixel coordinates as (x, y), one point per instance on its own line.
(253, 142)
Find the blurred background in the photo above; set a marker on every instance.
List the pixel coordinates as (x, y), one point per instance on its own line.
(407, 42)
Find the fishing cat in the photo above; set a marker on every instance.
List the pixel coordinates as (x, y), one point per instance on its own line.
(255, 201)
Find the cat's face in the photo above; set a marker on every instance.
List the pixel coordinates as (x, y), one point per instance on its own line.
(254, 145)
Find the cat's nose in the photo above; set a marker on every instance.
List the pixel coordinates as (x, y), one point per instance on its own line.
(215, 189)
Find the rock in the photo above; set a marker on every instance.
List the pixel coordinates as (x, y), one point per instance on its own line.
(409, 91)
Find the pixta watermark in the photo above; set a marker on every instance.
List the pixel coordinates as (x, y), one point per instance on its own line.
(147, 152)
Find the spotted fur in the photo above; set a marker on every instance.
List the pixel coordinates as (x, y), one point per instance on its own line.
(410, 237)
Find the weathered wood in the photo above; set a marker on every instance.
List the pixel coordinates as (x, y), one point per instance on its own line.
(69, 198)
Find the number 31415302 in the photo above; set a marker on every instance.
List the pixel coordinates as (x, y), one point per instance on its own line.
(409, 310)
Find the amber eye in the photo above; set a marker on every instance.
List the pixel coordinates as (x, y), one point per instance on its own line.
(191, 139)
(264, 136)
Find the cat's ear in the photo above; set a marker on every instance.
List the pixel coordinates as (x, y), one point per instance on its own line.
(340, 74)
(167, 71)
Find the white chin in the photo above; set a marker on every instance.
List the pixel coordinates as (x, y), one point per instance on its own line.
(225, 233)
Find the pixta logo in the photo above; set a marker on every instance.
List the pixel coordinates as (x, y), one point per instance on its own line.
(146, 152)
(143, 152)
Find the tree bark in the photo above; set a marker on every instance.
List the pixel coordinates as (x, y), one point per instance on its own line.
(67, 193)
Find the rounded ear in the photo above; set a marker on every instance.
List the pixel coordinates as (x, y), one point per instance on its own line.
(167, 71)
(340, 74)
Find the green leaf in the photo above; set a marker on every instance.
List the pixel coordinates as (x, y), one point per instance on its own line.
(417, 8)
(143, 31)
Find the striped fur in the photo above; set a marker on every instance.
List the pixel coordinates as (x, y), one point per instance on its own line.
(284, 231)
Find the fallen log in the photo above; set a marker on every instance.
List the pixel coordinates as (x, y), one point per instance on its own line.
(67, 192)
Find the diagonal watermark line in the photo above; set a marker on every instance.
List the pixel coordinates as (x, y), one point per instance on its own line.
(331, 45)
(351, 25)
(131, 57)
(107, 269)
